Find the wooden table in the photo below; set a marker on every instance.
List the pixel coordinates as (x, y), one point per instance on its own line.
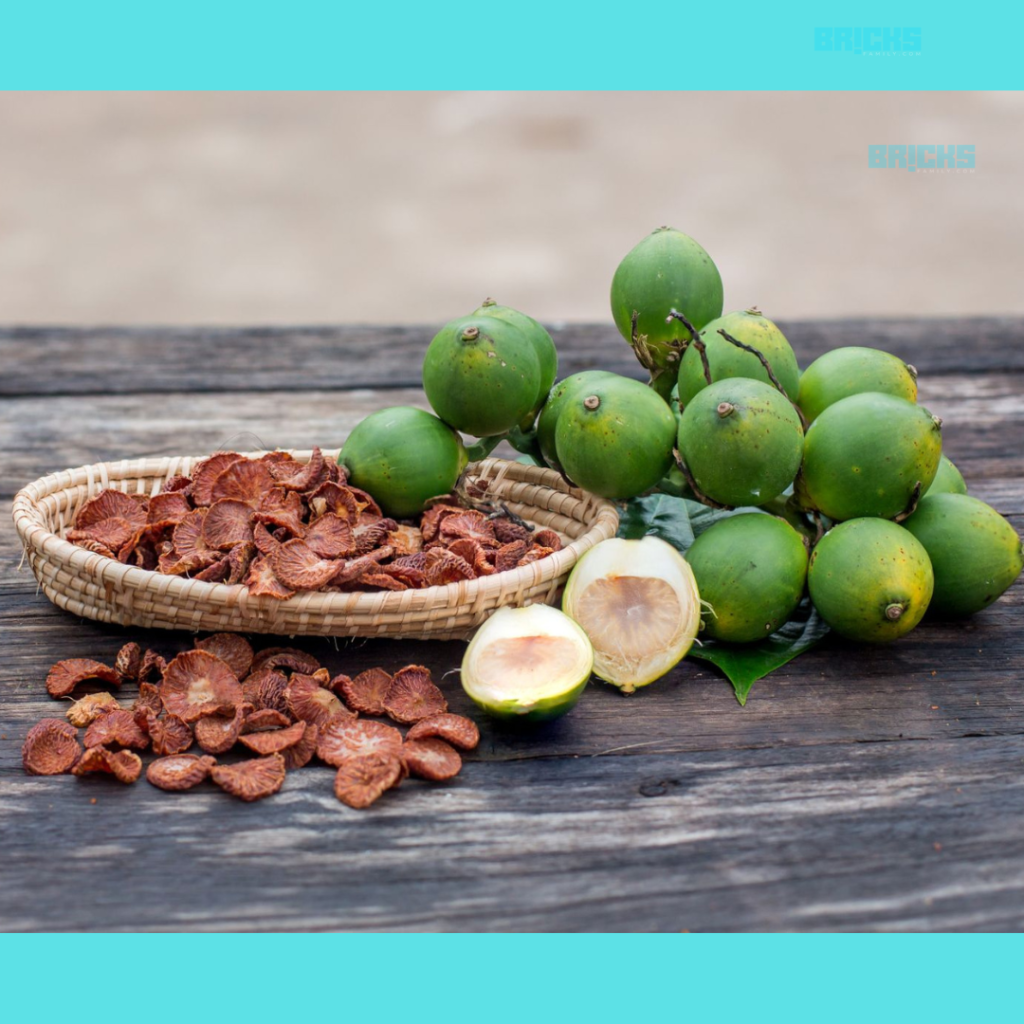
(860, 788)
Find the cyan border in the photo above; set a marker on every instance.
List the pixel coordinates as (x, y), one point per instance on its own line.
(530, 44)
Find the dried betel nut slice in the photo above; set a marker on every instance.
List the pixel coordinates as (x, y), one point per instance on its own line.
(457, 730)
(128, 662)
(253, 779)
(360, 781)
(344, 738)
(124, 765)
(431, 759)
(90, 707)
(197, 683)
(274, 742)
(218, 733)
(413, 696)
(264, 720)
(167, 735)
(179, 771)
(367, 691)
(308, 700)
(232, 649)
(67, 674)
(51, 747)
(116, 728)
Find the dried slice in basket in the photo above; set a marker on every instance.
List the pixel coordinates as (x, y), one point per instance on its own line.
(443, 567)
(244, 480)
(431, 759)
(228, 522)
(469, 525)
(206, 473)
(330, 536)
(413, 696)
(367, 691)
(294, 476)
(457, 730)
(285, 509)
(107, 505)
(360, 781)
(509, 555)
(179, 771)
(67, 674)
(299, 567)
(334, 498)
(262, 582)
(547, 539)
(507, 531)
(234, 650)
(197, 683)
(344, 738)
(90, 707)
(51, 747)
(124, 765)
(169, 507)
(251, 780)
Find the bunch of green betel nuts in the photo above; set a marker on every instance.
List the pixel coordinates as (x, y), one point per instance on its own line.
(839, 472)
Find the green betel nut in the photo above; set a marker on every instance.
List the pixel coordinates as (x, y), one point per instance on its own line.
(974, 551)
(482, 375)
(615, 437)
(750, 571)
(853, 371)
(869, 455)
(559, 395)
(741, 441)
(665, 272)
(726, 359)
(543, 346)
(870, 580)
(948, 480)
(403, 457)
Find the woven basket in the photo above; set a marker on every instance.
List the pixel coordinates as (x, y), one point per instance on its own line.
(103, 589)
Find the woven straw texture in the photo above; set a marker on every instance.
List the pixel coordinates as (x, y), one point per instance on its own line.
(103, 589)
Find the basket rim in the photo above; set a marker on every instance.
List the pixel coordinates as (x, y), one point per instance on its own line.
(35, 535)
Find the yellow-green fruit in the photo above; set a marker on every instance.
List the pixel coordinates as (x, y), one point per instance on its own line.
(728, 360)
(750, 569)
(542, 344)
(853, 371)
(870, 580)
(741, 441)
(557, 398)
(948, 480)
(482, 375)
(974, 551)
(614, 438)
(866, 455)
(637, 601)
(667, 270)
(403, 456)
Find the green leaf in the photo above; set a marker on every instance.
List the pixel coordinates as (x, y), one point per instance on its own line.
(676, 520)
(744, 664)
(680, 522)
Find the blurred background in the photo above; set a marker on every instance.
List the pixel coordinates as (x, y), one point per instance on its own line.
(411, 207)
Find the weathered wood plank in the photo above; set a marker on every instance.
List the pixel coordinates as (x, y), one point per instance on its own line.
(103, 361)
(947, 679)
(983, 418)
(870, 836)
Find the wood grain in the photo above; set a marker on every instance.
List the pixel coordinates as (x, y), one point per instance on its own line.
(860, 788)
